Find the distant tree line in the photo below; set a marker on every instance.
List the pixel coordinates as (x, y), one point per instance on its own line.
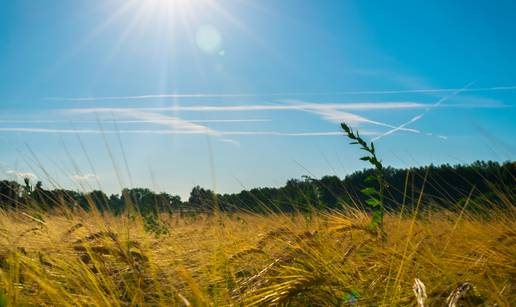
(486, 183)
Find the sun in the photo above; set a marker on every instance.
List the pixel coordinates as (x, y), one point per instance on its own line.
(165, 29)
(169, 9)
(176, 7)
(187, 16)
(170, 4)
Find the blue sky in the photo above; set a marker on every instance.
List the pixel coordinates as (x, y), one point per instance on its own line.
(169, 94)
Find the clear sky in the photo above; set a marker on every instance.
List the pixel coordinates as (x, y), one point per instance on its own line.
(169, 94)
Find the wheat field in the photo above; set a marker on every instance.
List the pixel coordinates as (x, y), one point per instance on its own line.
(69, 258)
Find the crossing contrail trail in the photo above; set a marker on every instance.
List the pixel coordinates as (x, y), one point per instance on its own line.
(419, 116)
(279, 94)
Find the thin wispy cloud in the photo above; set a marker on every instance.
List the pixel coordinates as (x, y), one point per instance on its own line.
(355, 120)
(336, 116)
(176, 132)
(328, 112)
(175, 123)
(260, 107)
(96, 131)
(339, 117)
(244, 95)
(220, 121)
(230, 141)
(56, 121)
(331, 112)
(85, 177)
(169, 121)
(300, 134)
(22, 175)
(350, 106)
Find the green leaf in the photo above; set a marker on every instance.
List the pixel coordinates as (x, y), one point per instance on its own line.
(373, 202)
(376, 219)
(3, 299)
(377, 164)
(351, 298)
(369, 191)
(345, 127)
(365, 158)
(370, 178)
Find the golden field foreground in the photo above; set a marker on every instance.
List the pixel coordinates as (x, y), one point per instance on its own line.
(86, 258)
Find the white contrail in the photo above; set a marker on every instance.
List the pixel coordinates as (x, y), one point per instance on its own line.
(44, 130)
(399, 128)
(261, 107)
(327, 111)
(419, 116)
(244, 95)
(98, 131)
(276, 133)
(359, 106)
(55, 121)
(350, 118)
(334, 116)
(178, 132)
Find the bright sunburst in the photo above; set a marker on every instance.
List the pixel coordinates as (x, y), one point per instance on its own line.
(170, 18)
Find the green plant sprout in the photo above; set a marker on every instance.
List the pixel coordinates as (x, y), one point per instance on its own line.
(375, 193)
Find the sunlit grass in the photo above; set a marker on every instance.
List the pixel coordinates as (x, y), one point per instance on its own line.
(85, 258)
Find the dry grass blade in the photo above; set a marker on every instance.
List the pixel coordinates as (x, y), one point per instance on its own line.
(457, 294)
(35, 219)
(274, 234)
(246, 253)
(420, 292)
(256, 280)
(97, 235)
(72, 229)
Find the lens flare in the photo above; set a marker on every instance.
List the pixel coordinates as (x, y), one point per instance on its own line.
(208, 39)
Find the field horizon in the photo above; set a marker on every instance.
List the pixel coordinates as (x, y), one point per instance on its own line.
(479, 180)
(57, 252)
